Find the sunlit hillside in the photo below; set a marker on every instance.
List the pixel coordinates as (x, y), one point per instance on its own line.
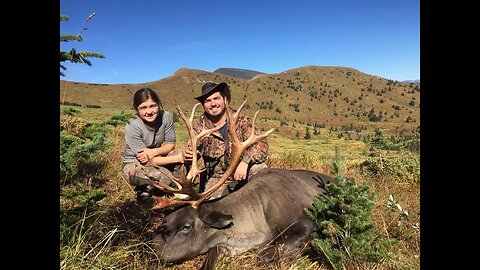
(336, 97)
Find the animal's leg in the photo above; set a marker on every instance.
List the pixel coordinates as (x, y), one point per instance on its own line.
(210, 260)
(267, 255)
(297, 234)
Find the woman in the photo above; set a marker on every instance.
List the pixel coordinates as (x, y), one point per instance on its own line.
(149, 139)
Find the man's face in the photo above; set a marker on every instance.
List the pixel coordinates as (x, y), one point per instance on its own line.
(214, 104)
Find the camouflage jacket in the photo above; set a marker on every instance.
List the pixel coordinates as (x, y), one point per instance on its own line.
(216, 152)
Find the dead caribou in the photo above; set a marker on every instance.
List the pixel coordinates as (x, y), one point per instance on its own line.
(268, 209)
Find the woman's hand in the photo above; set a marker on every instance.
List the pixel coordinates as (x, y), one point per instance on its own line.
(145, 154)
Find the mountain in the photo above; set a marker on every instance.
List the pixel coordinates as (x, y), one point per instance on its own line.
(245, 74)
(337, 97)
(412, 81)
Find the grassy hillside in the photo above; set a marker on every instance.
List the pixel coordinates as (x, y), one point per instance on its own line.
(102, 226)
(333, 96)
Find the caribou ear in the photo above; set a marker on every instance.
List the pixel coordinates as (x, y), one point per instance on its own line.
(216, 219)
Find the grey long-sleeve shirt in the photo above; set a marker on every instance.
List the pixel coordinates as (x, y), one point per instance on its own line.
(138, 135)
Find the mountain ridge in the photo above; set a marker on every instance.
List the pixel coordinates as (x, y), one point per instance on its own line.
(245, 74)
(334, 96)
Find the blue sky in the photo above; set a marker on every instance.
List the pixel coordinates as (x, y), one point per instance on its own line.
(147, 40)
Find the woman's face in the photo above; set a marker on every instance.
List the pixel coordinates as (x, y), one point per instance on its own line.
(148, 111)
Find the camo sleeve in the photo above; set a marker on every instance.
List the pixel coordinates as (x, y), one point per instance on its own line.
(256, 153)
(213, 147)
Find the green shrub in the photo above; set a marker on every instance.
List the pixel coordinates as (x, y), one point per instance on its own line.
(405, 168)
(120, 118)
(344, 230)
(401, 142)
(81, 143)
(67, 110)
(79, 156)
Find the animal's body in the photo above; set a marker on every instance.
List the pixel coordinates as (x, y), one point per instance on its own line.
(269, 208)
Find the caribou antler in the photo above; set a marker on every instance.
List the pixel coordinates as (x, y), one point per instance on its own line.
(185, 182)
(238, 148)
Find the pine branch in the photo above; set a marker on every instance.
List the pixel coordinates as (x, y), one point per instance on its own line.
(74, 56)
(92, 54)
(66, 38)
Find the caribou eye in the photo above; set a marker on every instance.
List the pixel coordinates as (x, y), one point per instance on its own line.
(186, 228)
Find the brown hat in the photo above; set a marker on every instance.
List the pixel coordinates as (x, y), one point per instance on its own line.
(211, 87)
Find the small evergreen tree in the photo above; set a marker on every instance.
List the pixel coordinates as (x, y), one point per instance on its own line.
(82, 143)
(307, 134)
(344, 229)
(378, 140)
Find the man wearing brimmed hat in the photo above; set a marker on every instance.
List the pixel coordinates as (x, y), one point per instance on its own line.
(215, 149)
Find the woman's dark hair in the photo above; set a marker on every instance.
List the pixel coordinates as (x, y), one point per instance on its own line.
(142, 95)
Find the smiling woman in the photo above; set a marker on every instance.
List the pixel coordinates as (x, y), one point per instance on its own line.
(149, 144)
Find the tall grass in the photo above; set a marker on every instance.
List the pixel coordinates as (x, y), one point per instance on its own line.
(114, 232)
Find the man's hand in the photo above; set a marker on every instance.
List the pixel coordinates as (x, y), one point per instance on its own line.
(187, 153)
(145, 154)
(241, 171)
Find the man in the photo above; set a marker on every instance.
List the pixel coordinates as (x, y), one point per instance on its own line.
(216, 148)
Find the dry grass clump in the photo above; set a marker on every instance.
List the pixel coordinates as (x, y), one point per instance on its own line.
(72, 124)
(398, 222)
(295, 160)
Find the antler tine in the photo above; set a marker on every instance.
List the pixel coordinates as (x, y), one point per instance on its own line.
(191, 133)
(235, 115)
(193, 140)
(193, 111)
(166, 202)
(185, 182)
(253, 138)
(188, 190)
(194, 170)
(237, 150)
(164, 172)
